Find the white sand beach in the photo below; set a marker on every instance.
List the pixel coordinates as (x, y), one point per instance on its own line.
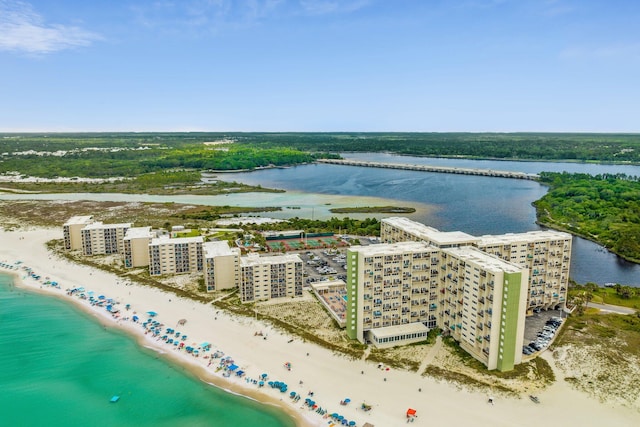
(331, 377)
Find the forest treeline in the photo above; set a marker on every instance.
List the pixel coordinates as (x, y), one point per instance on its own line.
(142, 159)
(514, 146)
(132, 154)
(604, 208)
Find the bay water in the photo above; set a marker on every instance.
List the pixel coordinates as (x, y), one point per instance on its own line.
(60, 367)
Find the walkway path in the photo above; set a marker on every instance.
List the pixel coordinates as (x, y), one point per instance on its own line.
(432, 354)
(607, 308)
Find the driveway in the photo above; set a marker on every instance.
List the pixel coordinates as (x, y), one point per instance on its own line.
(606, 308)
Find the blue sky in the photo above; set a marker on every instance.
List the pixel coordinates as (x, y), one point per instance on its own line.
(320, 65)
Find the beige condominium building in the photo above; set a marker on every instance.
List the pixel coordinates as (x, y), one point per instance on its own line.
(72, 231)
(400, 229)
(103, 239)
(221, 266)
(396, 292)
(547, 255)
(269, 277)
(136, 246)
(179, 255)
(390, 286)
(482, 303)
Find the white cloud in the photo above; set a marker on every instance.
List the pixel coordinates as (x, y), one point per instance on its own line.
(23, 30)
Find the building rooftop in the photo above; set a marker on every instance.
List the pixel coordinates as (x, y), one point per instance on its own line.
(391, 331)
(85, 219)
(530, 236)
(139, 232)
(483, 260)
(393, 248)
(99, 225)
(254, 259)
(163, 240)
(430, 234)
(219, 248)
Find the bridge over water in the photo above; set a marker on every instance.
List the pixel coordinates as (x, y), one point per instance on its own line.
(427, 168)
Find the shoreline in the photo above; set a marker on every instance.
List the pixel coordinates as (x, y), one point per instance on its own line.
(331, 377)
(193, 366)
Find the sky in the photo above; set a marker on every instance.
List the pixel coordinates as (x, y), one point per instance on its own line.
(320, 65)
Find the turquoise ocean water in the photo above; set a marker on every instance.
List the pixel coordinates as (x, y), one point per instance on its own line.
(60, 367)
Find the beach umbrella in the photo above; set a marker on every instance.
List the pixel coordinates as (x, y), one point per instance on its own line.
(135, 318)
(411, 412)
(293, 393)
(352, 423)
(152, 313)
(347, 400)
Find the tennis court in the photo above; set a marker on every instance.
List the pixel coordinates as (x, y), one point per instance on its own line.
(297, 244)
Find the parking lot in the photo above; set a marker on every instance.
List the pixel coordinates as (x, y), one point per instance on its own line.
(535, 324)
(324, 264)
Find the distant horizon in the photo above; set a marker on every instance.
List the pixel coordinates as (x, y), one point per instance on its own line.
(477, 66)
(308, 131)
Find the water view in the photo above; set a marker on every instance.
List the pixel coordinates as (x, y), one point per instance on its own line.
(53, 357)
(474, 204)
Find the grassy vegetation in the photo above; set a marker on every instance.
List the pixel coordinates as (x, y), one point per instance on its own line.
(161, 183)
(233, 305)
(615, 332)
(625, 296)
(473, 373)
(374, 209)
(20, 213)
(388, 357)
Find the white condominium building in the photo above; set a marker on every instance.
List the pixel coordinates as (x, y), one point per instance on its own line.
(264, 278)
(482, 303)
(136, 246)
(400, 229)
(390, 285)
(103, 239)
(221, 266)
(547, 255)
(397, 292)
(171, 256)
(72, 231)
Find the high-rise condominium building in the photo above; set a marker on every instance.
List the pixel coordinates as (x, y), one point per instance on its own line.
(221, 266)
(179, 255)
(72, 231)
(136, 246)
(103, 239)
(397, 292)
(264, 278)
(547, 255)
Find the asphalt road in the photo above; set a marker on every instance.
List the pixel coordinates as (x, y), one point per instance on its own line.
(612, 308)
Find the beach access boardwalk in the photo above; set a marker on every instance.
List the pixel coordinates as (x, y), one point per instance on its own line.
(427, 168)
